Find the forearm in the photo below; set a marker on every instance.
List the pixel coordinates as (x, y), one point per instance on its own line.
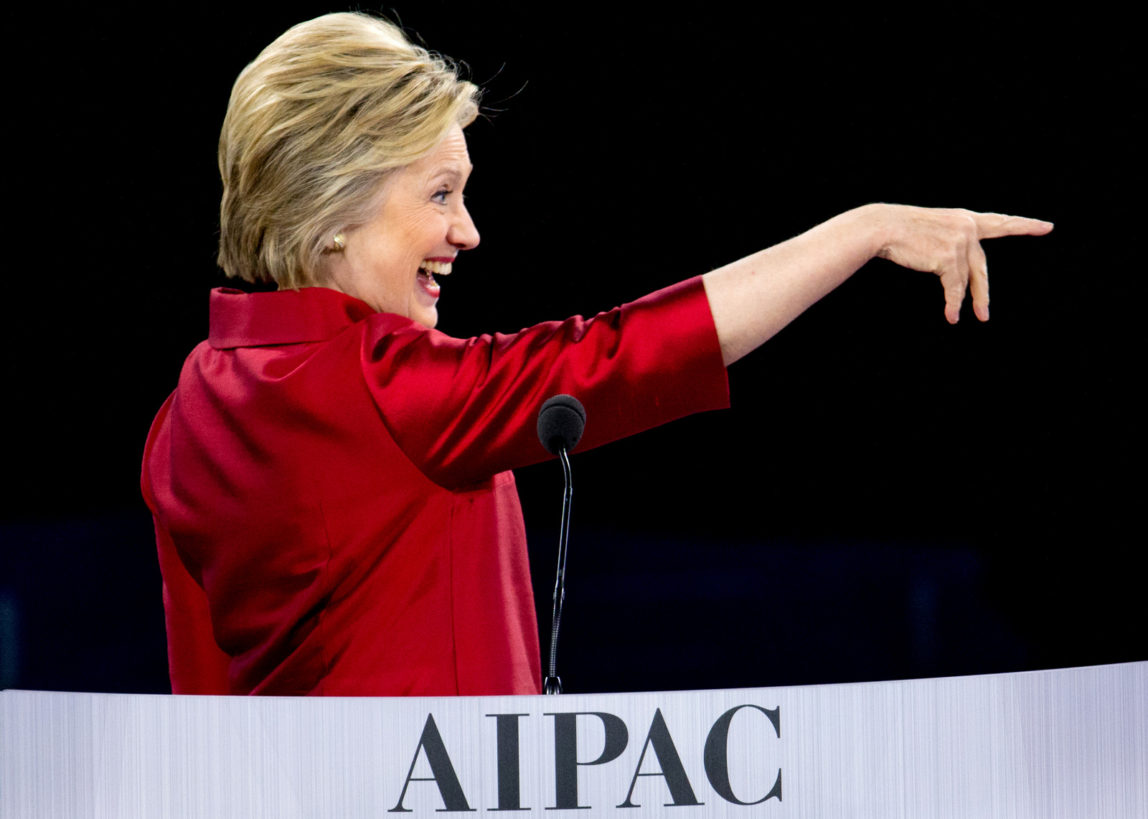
(753, 298)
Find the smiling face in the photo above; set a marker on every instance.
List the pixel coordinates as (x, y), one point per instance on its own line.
(420, 225)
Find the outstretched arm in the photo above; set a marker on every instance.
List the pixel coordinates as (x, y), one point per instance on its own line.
(754, 297)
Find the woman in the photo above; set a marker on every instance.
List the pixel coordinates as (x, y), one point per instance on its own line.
(330, 480)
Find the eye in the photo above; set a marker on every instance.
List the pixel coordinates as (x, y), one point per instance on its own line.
(441, 195)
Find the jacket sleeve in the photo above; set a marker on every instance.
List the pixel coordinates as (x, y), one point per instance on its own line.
(466, 409)
(196, 663)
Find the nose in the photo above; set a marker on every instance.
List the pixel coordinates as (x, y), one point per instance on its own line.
(463, 234)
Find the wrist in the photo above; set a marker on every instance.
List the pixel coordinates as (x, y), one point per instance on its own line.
(874, 224)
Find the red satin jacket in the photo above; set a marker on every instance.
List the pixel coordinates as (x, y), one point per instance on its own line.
(333, 505)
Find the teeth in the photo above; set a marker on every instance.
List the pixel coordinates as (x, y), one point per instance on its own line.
(442, 268)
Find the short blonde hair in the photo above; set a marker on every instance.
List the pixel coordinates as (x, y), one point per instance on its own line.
(314, 125)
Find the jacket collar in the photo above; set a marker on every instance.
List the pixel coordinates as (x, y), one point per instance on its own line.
(310, 314)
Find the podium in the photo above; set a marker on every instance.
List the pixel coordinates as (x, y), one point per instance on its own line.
(1069, 743)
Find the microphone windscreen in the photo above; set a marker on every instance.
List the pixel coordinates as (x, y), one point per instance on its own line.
(560, 423)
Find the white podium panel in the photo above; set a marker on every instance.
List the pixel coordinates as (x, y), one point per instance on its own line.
(1069, 743)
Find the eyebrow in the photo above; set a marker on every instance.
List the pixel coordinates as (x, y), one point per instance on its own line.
(455, 172)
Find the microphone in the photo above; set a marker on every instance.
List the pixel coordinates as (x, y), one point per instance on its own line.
(560, 424)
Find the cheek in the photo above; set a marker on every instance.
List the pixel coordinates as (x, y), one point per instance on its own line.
(426, 235)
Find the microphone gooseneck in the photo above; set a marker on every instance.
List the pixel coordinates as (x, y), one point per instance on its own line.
(560, 424)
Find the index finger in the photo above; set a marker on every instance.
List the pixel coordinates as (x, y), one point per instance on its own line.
(994, 225)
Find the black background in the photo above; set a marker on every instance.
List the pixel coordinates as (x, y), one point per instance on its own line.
(889, 496)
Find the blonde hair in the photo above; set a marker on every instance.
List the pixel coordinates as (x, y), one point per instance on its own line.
(313, 126)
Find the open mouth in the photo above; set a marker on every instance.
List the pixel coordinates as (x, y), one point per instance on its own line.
(428, 283)
(428, 266)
